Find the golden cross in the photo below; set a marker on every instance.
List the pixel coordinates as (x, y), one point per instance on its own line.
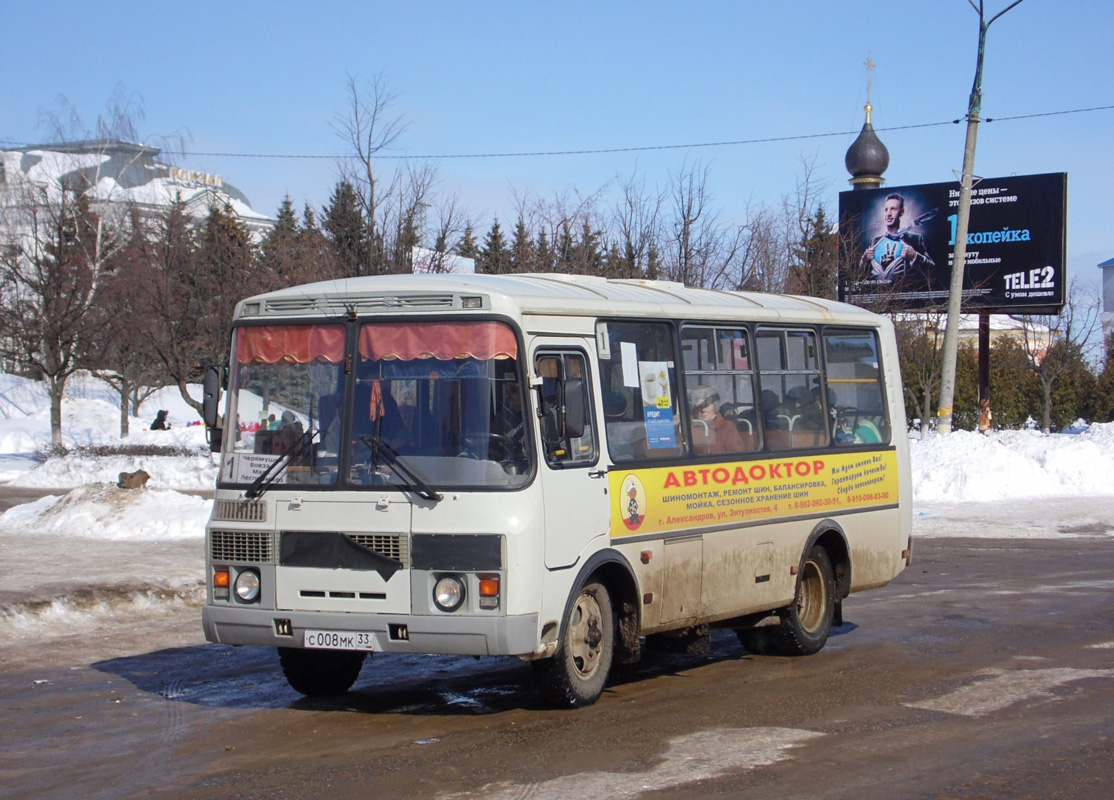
(869, 64)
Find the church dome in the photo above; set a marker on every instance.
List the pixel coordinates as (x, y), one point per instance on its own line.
(867, 158)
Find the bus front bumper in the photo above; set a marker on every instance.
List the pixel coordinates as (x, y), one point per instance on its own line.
(389, 633)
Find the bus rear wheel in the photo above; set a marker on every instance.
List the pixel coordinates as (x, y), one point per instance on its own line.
(319, 673)
(576, 674)
(807, 621)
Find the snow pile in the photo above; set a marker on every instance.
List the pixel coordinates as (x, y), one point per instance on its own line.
(965, 466)
(189, 473)
(105, 512)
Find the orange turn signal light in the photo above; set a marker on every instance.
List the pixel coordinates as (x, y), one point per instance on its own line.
(221, 579)
(489, 587)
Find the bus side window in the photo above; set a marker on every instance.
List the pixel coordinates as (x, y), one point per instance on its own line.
(854, 378)
(565, 409)
(793, 410)
(719, 381)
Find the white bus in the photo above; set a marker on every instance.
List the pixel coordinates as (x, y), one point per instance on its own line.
(560, 468)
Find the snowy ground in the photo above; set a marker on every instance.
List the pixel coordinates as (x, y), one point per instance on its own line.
(138, 551)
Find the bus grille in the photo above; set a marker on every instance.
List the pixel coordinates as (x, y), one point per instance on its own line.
(385, 544)
(252, 547)
(240, 510)
(343, 305)
(398, 302)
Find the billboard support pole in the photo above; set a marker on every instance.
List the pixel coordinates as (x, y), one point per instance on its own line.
(984, 371)
(955, 288)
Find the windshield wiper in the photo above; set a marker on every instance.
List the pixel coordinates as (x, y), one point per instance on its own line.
(267, 479)
(409, 479)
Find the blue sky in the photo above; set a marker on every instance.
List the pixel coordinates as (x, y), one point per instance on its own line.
(488, 77)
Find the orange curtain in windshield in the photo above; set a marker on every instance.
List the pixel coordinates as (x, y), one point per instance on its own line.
(289, 344)
(444, 341)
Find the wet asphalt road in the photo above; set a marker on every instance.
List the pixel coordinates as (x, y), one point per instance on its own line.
(985, 671)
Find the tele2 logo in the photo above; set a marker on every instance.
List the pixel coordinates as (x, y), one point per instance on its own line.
(1040, 278)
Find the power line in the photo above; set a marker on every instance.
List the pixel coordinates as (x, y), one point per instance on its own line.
(642, 149)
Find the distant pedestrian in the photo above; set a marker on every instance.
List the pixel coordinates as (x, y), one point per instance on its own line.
(160, 423)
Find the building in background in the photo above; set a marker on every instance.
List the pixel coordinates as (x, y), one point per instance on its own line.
(116, 174)
(1107, 317)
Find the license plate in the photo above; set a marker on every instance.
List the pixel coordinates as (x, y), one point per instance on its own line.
(338, 640)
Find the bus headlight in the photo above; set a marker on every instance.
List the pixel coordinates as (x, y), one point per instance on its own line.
(448, 593)
(247, 586)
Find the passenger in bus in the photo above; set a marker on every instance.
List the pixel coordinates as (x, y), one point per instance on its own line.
(719, 434)
(289, 433)
(808, 409)
(777, 415)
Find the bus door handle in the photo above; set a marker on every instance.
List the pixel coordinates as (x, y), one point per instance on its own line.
(597, 473)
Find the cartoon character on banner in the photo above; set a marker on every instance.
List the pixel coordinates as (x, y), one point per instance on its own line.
(636, 502)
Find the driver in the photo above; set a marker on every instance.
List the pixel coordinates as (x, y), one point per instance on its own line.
(509, 419)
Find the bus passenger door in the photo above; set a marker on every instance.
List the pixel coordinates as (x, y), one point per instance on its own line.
(574, 489)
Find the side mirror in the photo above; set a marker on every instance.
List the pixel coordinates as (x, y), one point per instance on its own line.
(210, 405)
(574, 408)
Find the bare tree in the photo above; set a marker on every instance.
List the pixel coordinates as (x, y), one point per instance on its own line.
(405, 217)
(920, 338)
(121, 354)
(49, 272)
(369, 128)
(635, 220)
(1054, 344)
(446, 226)
(58, 238)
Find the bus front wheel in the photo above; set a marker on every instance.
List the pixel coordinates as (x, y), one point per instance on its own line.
(576, 674)
(319, 673)
(807, 621)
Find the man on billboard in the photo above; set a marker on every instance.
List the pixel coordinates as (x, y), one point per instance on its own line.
(898, 252)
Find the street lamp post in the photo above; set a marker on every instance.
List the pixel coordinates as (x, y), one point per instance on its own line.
(955, 289)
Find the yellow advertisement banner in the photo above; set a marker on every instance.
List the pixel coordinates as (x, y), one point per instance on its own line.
(665, 499)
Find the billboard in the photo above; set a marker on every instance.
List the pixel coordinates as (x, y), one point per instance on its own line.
(898, 245)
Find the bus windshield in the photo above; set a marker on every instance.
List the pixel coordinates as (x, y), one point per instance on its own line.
(284, 389)
(423, 404)
(446, 397)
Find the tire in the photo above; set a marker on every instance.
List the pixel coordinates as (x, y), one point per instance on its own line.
(575, 676)
(807, 621)
(761, 641)
(320, 673)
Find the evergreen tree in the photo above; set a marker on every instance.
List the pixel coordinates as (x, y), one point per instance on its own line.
(1102, 405)
(176, 299)
(617, 264)
(585, 257)
(543, 254)
(522, 249)
(347, 230)
(563, 253)
(407, 237)
(495, 258)
(1014, 394)
(1072, 393)
(466, 247)
(279, 254)
(224, 274)
(965, 412)
(316, 257)
(814, 263)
